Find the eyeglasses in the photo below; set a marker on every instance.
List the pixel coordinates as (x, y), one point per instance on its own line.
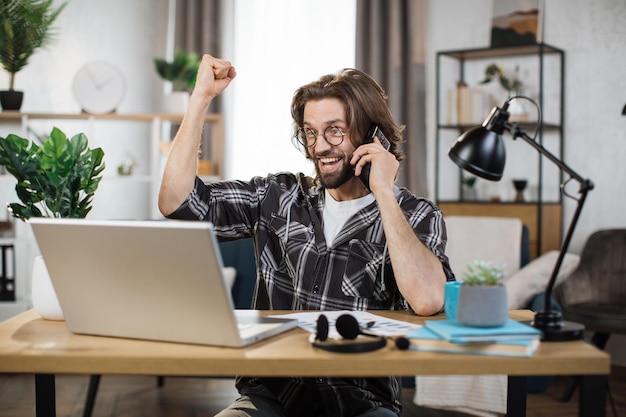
(308, 137)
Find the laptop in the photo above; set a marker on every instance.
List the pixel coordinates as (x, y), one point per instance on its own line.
(142, 279)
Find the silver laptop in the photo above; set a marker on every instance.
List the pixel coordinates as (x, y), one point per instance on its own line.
(157, 280)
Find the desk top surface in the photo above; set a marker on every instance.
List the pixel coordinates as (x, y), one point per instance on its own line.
(29, 344)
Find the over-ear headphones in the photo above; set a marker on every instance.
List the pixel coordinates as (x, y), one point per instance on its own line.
(348, 327)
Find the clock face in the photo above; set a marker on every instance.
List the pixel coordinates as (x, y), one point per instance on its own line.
(99, 87)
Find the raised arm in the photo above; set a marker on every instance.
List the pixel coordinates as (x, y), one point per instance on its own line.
(214, 75)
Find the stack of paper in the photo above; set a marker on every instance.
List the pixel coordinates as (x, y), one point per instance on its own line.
(511, 339)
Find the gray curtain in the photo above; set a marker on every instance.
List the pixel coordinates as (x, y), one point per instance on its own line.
(390, 46)
(198, 29)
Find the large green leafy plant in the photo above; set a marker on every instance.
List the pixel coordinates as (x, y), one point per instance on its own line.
(57, 179)
(25, 26)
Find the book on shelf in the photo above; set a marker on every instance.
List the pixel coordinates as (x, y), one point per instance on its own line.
(459, 333)
(423, 339)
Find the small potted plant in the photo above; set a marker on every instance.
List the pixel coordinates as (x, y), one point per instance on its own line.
(25, 26)
(482, 296)
(55, 179)
(181, 73)
(468, 188)
(512, 84)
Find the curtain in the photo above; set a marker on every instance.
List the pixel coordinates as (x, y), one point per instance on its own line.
(390, 46)
(197, 29)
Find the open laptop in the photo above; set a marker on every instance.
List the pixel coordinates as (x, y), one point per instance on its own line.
(157, 280)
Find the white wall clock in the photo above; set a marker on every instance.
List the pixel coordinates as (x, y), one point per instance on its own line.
(99, 87)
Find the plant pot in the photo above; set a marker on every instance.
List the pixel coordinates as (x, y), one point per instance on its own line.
(175, 102)
(11, 100)
(45, 300)
(482, 306)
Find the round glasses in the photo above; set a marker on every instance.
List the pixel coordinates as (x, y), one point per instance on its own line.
(308, 137)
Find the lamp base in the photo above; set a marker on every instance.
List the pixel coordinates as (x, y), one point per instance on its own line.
(555, 329)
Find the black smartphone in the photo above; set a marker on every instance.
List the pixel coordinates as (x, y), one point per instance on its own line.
(374, 131)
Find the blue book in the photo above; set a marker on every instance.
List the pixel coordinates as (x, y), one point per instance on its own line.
(425, 340)
(459, 333)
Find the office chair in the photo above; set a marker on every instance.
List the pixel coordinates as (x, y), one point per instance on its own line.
(595, 293)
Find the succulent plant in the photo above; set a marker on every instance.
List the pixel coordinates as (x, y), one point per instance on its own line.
(483, 273)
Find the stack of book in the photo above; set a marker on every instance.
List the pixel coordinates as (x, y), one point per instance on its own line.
(511, 339)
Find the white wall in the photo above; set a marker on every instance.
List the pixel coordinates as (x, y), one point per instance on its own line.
(127, 34)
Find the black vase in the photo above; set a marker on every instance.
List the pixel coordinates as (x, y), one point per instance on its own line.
(11, 100)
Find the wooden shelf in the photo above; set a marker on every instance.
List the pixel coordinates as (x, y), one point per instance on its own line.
(482, 53)
(170, 117)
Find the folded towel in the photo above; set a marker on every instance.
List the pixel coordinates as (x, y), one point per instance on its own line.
(479, 395)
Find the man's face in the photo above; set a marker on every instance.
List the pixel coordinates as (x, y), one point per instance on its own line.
(332, 163)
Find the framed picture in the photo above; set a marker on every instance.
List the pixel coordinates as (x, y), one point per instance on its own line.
(516, 23)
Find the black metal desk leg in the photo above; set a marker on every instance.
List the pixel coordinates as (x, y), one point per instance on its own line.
(45, 396)
(516, 396)
(592, 402)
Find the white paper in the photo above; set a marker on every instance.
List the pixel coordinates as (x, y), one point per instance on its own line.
(373, 323)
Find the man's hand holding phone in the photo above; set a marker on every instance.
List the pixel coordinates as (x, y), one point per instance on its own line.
(373, 164)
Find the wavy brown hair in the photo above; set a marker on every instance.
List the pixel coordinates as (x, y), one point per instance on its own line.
(365, 103)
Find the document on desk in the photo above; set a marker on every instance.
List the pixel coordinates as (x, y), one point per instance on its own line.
(373, 323)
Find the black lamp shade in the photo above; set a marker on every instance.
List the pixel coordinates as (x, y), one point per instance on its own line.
(481, 152)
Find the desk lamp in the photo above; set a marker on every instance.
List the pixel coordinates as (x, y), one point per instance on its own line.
(481, 151)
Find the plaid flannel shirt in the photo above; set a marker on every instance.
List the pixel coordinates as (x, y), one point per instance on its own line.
(298, 270)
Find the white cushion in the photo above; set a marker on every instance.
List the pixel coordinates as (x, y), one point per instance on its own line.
(523, 285)
(475, 238)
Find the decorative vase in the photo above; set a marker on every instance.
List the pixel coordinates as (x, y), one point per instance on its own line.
(469, 193)
(520, 186)
(517, 111)
(482, 306)
(11, 99)
(45, 300)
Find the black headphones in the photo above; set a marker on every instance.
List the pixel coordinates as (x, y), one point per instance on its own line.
(348, 327)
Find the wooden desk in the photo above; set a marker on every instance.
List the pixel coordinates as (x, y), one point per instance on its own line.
(29, 344)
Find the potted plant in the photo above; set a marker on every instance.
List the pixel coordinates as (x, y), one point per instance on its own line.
(468, 189)
(512, 84)
(514, 87)
(55, 179)
(25, 26)
(482, 296)
(181, 73)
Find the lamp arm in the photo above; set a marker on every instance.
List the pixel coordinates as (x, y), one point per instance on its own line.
(518, 132)
(564, 248)
(585, 186)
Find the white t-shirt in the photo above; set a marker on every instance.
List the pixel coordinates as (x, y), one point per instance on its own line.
(336, 213)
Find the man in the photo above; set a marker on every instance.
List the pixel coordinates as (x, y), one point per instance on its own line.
(321, 244)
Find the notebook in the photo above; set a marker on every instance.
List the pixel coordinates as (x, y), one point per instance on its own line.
(458, 333)
(156, 280)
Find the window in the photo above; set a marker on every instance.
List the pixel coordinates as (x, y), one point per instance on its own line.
(270, 43)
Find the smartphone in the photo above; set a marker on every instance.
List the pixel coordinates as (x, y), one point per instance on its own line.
(374, 131)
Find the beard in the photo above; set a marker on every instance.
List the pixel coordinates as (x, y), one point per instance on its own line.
(337, 178)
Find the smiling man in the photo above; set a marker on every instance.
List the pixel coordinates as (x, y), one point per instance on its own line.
(324, 243)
